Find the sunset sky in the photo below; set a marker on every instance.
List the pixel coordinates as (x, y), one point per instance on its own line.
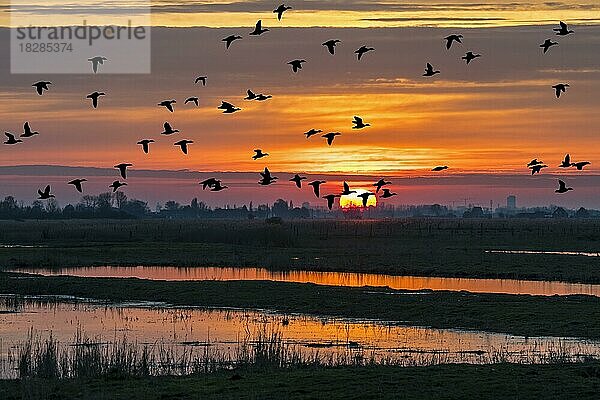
(484, 120)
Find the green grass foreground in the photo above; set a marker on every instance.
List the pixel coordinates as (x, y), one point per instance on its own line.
(501, 381)
(577, 316)
(423, 247)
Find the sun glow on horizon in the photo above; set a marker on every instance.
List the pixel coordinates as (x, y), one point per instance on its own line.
(353, 201)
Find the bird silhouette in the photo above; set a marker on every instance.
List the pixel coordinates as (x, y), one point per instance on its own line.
(330, 44)
(11, 139)
(534, 162)
(440, 168)
(168, 104)
(381, 183)
(297, 179)
(563, 30)
(560, 87)
(358, 123)
(77, 183)
(45, 195)
(330, 136)
(267, 178)
(192, 99)
(27, 132)
(41, 86)
(296, 64)
(470, 56)
(280, 10)
(365, 197)
(362, 50)
(562, 187)
(123, 169)
(347, 191)
(96, 61)
(184, 145)
(168, 129)
(535, 169)
(312, 132)
(94, 97)
(579, 165)
(259, 154)
(330, 199)
(230, 39)
(210, 182)
(262, 97)
(145, 144)
(258, 29)
(201, 79)
(566, 163)
(316, 185)
(547, 44)
(429, 71)
(387, 194)
(217, 187)
(451, 39)
(228, 108)
(116, 185)
(251, 95)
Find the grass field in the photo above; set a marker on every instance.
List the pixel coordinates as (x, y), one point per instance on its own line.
(501, 381)
(422, 247)
(577, 316)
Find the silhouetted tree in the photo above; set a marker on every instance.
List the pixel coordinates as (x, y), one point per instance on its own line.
(120, 199)
(105, 201)
(172, 205)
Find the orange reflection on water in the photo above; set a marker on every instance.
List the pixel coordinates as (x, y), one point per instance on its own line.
(506, 286)
(223, 331)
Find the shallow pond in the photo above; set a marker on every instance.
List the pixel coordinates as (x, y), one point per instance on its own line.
(507, 286)
(226, 333)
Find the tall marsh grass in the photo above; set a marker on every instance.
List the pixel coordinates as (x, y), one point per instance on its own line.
(266, 350)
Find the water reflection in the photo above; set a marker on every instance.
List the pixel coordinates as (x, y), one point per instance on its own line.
(224, 330)
(507, 286)
(554, 253)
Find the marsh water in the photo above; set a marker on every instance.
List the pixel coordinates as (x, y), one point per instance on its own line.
(225, 332)
(506, 286)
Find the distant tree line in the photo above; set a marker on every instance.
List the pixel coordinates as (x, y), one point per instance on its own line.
(118, 206)
(105, 205)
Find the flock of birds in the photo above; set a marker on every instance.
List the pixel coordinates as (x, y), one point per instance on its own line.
(216, 185)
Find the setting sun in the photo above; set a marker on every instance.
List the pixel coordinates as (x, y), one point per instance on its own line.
(353, 200)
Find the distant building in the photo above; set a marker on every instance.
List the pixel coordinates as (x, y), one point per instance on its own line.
(511, 202)
(475, 212)
(560, 213)
(582, 213)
